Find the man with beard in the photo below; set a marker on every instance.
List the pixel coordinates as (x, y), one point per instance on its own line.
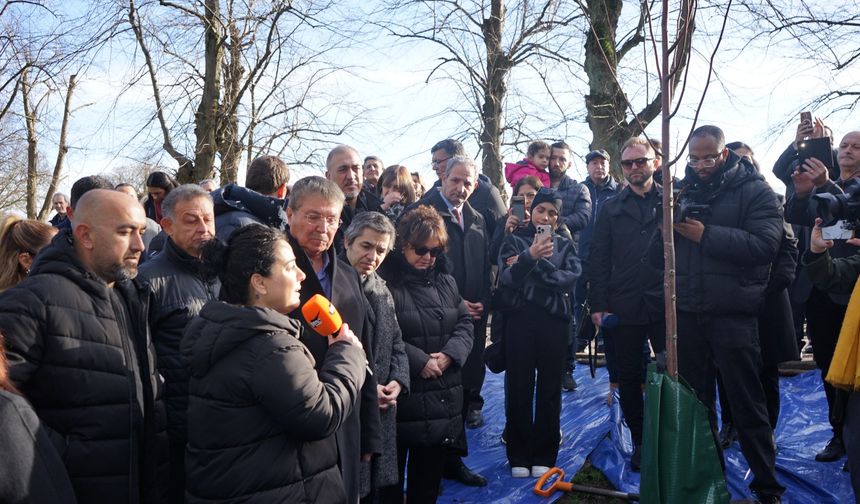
(180, 288)
(344, 168)
(79, 349)
(724, 246)
(578, 215)
(622, 285)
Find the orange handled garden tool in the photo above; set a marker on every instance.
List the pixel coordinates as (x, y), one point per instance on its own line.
(566, 486)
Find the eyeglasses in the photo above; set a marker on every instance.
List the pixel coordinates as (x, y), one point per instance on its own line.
(315, 219)
(707, 162)
(437, 162)
(434, 252)
(628, 163)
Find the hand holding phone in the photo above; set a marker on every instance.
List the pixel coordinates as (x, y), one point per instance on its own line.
(518, 207)
(804, 129)
(543, 245)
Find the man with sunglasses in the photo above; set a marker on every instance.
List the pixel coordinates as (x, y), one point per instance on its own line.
(723, 253)
(468, 251)
(625, 287)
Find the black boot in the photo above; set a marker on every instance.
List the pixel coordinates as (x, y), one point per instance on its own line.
(834, 450)
(728, 435)
(568, 383)
(459, 472)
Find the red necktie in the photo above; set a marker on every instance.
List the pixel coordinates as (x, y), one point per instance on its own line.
(456, 214)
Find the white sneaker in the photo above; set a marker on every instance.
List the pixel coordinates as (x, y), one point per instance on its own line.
(538, 471)
(520, 472)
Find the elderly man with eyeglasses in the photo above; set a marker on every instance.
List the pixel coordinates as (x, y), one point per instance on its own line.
(728, 229)
(314, 212)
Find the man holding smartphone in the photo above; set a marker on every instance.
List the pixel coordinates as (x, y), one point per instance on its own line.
(825, 311)
(723, 262)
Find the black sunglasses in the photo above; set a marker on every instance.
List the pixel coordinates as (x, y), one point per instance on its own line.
(434, 252)
(627, 163)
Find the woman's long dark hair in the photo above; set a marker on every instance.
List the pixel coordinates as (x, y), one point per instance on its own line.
(249, 249)
(162, 181)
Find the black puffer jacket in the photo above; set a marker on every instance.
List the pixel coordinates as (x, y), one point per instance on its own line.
(546, 282)
(433, 318)
(89, 374)
(728, 271)
(180, 290)
(261, 419)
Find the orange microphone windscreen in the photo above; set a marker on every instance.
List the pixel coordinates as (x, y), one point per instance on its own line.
(321, 315)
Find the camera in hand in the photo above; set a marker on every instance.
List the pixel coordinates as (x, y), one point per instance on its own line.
(839, 211)
(687, 208)
(684, 206)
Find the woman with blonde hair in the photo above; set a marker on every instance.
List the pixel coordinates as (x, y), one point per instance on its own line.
(20, 241)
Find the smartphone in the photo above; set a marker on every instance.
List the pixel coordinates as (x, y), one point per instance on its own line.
(838, 231)
(818, 148)
(806, 119)
(545, 230)
(518, 207)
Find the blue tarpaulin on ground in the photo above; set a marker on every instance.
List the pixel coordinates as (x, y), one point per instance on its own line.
(594, 429)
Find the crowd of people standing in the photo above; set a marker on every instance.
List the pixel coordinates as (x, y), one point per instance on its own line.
(160, 351)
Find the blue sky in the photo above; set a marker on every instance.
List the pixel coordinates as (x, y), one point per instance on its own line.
(755, 89)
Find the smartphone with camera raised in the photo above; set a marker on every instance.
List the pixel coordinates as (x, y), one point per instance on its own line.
(839, 231)
(806, 119)
(545, 230)
(518, 207)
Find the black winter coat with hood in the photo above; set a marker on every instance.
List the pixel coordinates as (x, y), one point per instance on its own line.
(261, 419)
(432, 318)
(728, 271)
(237, 206)
(80, 351)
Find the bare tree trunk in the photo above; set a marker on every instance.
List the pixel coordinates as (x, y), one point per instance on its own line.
(229, 146)
(606, 103)
(32, 143)
(495, 89)
(62, 149)
(206, 121)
